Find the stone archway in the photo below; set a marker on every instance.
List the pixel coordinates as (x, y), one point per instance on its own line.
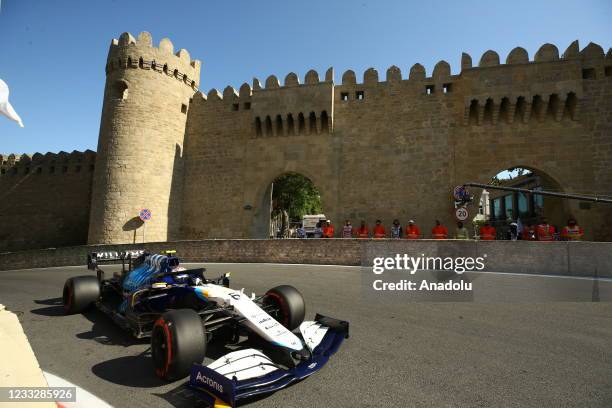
(503, 206)
(260, 228)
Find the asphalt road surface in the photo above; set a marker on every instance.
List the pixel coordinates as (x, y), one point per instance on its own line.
(509, 353)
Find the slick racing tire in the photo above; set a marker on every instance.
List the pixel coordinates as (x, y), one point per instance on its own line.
(177, 341)
(290, 304)
(80, 293)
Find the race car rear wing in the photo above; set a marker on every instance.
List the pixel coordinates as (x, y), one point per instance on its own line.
(126, 258)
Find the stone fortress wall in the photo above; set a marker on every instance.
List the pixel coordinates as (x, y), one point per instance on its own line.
(395, 147)
(391, 147)
(44, 199)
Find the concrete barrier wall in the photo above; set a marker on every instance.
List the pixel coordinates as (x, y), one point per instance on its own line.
(557, 258)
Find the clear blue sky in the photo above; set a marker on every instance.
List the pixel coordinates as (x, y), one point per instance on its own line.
(53, 52)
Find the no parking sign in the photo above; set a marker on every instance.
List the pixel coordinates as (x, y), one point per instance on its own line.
(145, 214)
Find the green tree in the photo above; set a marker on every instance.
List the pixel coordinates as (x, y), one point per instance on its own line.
(295, 194)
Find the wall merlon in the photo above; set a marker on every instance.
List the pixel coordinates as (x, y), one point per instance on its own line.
(572, 51)
(256, 84)
(229, 93)
(272, 82)
(466, 61)
(245, 91)
(214, 95)
(348, 78)
(145, 38)
(592, 51)
(370, 76)
(489, 59)
(442, 71)
(126, 39)
(518, 55)
(546, 53)
(311, 78)
(394, 74)
(166, 45)
(199, 97)
(292, 79)
(329, 74)
(417, 72)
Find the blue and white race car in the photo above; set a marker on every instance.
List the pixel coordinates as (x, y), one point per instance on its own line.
(182, 311)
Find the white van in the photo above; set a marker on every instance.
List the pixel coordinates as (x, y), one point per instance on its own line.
(309, 223)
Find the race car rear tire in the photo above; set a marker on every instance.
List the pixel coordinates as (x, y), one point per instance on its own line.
(290, 304)
(79, 293)
(177, 341)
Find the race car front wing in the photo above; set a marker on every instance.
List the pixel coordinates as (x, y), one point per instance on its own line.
(226, 389)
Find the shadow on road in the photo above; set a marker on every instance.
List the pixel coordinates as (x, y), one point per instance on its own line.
(130, 371)
(55, 307)
(106, 332)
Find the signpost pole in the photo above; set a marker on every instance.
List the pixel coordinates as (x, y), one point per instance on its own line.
(145, 215)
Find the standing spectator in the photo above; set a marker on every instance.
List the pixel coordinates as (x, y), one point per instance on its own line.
(347, 230)
(300, 233)
(318, 232)
(461, 232)
(328, 230)
(439, 231)
(487, 232)
(572, 231)
(529, 233)
(379, 230)
(396, 229)
(412, 231)
(513, 232)
(362, 231)
(545, 231)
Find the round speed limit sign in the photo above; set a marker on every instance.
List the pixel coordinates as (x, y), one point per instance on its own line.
(462, 213)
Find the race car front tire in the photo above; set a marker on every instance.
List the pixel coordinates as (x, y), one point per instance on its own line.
(177, 341)
(80, 292)
(289, 303)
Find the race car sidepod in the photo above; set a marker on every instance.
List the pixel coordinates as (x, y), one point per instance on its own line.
(246, 373)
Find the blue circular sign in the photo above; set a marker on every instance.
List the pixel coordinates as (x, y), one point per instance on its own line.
(145, 214)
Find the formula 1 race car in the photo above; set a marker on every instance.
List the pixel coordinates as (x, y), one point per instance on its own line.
(181, 310)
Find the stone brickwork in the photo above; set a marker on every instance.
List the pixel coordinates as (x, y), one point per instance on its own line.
(554, 258)
(377, 147)
(44, 199)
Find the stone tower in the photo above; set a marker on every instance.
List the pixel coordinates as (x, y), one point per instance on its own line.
(140, 148)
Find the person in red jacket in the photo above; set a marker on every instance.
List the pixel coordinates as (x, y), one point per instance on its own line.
(328, 230)
(545, 231)
(379, 230)
(572, 231)
(362, 231)
(487, 232)
(439, 231)
(412, 231)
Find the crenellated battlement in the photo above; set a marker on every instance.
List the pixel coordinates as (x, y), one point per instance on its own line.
(48, 163)
(128, 52)
(491, 92)
(590, 55)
